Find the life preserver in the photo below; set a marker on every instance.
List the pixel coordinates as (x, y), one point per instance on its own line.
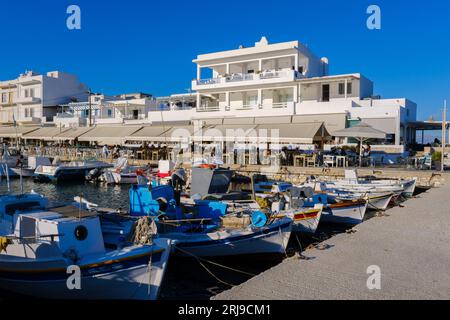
(207, 166)
(140, 172)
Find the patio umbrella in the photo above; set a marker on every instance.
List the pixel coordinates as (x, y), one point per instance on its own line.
(361, 132)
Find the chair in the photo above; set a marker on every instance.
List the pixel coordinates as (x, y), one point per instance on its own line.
(328, 161)
(311, 161)
(341, 161)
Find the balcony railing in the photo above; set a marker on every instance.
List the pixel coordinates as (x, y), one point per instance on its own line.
(208, 108)
(238, 77)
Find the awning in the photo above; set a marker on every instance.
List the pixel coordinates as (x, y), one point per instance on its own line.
(44, 133)
(227, 132)
(71, 134)
(293, 132)
(150, 133)
(387, 125)
(332, 122)
(109, 135)
(178, 134)
(13, 132)
(361, 130)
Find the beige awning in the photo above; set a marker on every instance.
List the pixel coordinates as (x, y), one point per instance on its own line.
(293, 132)
(149, 134)
(72, 134)
(109, 135)
(13, 132)
(333, 122)
(44, 133)
(227, 132)
(387, 125)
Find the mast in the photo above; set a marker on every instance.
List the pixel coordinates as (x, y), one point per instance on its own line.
(444, 126)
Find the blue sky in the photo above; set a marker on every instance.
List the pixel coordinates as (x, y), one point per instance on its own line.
(148, 46)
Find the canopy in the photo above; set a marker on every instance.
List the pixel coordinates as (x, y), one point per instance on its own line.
(44, 133)
(149, 133)
(71, 134)
(294, 132)
(361, 130)
(109, 135)
(13, 132)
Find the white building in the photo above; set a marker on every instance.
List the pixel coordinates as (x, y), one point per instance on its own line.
(33, 98)
(100, 109)
(283, 80)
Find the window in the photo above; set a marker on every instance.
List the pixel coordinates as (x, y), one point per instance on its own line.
(26, 112)
(109, 113)
(349, 88)
(300, 69)
(31, 112)
(4, 97)
(341, 88)
(32, 92)
(26, 93)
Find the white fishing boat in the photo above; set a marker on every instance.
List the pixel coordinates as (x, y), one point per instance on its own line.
(70, 171)
(28, 169)
(60, 253)
(123, 173)
(376, 201)
(353, 183)
(338, 211)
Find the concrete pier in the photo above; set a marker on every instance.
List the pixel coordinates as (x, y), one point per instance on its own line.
(411, 246)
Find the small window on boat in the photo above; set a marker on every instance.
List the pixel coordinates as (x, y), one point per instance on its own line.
(81, 233)
(11, 209)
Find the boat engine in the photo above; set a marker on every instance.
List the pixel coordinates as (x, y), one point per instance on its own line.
(94, 174)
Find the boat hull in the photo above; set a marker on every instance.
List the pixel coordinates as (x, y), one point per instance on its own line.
(306, 221)
(345, 213)
(271, 239)
(132, 279)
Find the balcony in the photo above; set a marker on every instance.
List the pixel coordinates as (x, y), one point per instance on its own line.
(28, 100)
(239, 79)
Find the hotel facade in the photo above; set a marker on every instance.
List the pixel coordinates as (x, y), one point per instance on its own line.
(281, 85)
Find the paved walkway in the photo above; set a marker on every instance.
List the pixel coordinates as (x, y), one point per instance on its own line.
(411, 246)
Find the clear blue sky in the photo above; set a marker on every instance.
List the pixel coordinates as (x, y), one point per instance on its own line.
(148, 46)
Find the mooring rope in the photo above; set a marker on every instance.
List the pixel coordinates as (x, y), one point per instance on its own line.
(199, 260)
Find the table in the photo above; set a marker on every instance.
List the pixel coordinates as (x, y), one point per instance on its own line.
(341, 160)
(299, 159)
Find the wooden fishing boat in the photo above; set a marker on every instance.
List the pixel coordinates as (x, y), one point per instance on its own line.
(60, 253)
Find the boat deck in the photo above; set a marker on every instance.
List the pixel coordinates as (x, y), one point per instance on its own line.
(410, 245)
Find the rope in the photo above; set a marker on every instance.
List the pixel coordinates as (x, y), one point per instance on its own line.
(199, 259)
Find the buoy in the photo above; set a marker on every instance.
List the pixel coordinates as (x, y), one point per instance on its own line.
(259, 219)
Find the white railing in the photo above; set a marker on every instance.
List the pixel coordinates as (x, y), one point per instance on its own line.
(246, 107)
(237, 77)
(208, 108)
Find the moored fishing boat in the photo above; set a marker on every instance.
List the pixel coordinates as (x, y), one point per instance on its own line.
(335, 211)
(75, 170)
(59, 252)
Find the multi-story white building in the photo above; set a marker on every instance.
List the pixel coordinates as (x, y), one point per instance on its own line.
(287, 80)
(100, 109)
(33, 98)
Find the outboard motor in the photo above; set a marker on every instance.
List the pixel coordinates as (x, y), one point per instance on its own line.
(94, 174)
(178, 181)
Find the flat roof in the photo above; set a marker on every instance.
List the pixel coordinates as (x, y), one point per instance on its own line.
(249, 50)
